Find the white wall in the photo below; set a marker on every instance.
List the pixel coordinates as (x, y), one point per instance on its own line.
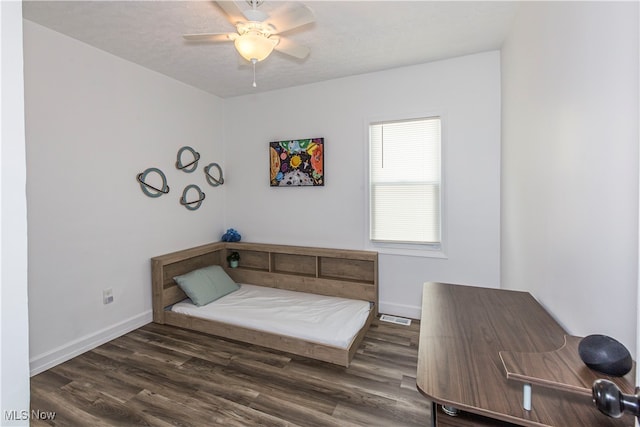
(570, 162)
(94, 121)
(569, 170)
(14, 327)
(466, 91)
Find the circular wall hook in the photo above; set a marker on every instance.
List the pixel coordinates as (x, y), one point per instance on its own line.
(156, 192)
(213, 181)
(193, 164)
(193, 205)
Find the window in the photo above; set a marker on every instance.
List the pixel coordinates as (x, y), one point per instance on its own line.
(405, 182)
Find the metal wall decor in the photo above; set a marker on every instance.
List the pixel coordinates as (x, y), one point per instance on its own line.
(213, 181)
(189, 167)
(195, 204)
(213, 177)
(150, 190)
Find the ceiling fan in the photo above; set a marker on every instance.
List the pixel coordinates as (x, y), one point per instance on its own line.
(257, 33)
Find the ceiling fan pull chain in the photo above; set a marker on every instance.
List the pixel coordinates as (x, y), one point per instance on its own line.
(253, 61)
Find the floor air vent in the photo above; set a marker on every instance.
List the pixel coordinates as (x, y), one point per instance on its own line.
(396, 320)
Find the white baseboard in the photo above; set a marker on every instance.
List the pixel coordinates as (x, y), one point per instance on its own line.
(70, 350)
(410, 311)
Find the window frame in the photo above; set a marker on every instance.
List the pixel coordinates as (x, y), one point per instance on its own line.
(429, 250)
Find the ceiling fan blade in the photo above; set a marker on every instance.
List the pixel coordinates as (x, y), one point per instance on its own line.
(234, 14)
(210, 37)
(289, 16)
(291, 48)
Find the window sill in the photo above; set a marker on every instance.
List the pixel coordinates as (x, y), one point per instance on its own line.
(422, 251)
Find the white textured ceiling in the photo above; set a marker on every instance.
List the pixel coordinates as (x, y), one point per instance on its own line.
(347, 38)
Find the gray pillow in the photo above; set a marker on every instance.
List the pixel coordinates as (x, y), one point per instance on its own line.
(206, 284)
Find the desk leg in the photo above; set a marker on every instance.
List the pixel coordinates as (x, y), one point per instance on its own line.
(526, 396)
(434, 413)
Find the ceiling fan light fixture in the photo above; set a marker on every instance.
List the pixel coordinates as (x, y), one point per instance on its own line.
(253, 45)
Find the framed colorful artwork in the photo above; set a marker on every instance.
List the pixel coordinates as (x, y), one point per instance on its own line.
(297, 162)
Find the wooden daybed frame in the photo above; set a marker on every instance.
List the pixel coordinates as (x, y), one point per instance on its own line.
(335, 272)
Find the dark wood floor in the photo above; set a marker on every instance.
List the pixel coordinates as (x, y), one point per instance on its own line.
(164, 376)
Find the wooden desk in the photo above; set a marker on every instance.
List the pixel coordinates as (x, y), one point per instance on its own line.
(462, 331)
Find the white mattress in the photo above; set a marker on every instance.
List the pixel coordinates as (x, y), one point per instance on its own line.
(321, 319)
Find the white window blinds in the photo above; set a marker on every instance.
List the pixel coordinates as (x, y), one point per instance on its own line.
(405, 182)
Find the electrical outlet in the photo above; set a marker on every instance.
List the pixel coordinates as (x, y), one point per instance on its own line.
(107, 296)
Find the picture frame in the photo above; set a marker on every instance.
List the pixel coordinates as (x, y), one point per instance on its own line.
(297, 163)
